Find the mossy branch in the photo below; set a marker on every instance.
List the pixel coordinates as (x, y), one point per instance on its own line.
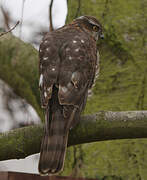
(102, 126)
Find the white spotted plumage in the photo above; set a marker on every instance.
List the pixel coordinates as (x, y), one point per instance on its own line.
(74, 41)
(70, 58)
(77, 50)
(45, 94)
(41, 81)
(45, 58)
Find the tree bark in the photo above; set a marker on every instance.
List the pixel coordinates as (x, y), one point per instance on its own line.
(101, 126)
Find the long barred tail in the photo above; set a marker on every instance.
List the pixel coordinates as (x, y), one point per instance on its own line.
(54, 142)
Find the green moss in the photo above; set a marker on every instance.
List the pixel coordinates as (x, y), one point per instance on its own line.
(22, 142)
(122, 85)
(19, 68)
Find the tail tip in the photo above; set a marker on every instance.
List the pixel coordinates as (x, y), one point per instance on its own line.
(43, 172)
(47, 172)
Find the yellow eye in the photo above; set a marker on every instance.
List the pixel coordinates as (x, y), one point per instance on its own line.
(95, 28)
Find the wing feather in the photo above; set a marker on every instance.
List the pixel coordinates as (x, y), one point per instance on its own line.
(77, 70)
(49, 68)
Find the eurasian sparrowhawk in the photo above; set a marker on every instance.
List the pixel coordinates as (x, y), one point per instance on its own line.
(68, 66)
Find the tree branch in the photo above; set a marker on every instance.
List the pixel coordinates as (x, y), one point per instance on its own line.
(50, 16)
(102, 126)
(9, 29)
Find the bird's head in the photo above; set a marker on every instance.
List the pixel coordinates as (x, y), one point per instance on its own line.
(91, 25)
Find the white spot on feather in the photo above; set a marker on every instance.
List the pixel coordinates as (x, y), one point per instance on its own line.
(70, 58)
(45, 41)
(45, 58)
(41, 80)
(49, 89)
(74, 41)
(64, 89)
(82, 41)
(45, 94)
(47, 49)
(67, 49)
(77, 50)
(53, 69)
(89, 92)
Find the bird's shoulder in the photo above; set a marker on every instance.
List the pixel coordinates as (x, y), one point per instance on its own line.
(66, 34)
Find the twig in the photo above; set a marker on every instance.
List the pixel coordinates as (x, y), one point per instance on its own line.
(10, 29)
(50, 16)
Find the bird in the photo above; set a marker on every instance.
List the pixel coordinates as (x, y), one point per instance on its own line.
(68, 64)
